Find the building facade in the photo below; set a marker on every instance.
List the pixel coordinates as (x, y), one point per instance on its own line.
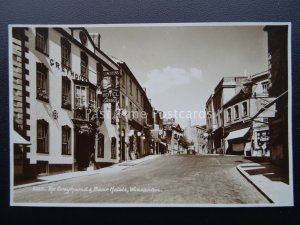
(233, 124)
(243, 135)
(173, 135)
(136, 119)
(197, 136)
(224, 91)
(67, 96)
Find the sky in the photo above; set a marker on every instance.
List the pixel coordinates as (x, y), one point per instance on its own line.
(181, 65)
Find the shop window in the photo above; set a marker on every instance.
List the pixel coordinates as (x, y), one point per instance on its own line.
(100, 150)
(113, 148)
(245, 109)
(41, 40)
(66, 140)
(42, 136)
(42, 82)
(84, 65)
(66, 93)
(65, 53)
(236, 112)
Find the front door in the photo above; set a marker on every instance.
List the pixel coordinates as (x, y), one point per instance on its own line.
(84, 148)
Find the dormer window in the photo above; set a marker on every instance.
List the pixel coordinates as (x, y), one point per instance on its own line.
(245, 109)
(236, 112)
(228, 115)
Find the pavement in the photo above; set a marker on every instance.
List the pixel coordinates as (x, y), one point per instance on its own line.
(68, 175)
(270, 181)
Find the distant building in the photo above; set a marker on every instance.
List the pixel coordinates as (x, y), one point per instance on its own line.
(173, 134)
(196, 135)
(158, 143)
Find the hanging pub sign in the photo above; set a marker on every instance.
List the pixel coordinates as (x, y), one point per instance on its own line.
(110, 95)
(111, 73)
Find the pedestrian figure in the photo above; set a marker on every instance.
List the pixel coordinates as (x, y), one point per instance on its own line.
(92, 164)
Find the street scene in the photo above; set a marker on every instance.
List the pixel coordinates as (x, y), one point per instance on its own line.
(179, 114)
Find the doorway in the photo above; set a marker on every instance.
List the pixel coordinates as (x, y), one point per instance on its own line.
(84, 147)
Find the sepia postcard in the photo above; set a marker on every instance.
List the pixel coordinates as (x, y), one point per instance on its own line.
(151, 115)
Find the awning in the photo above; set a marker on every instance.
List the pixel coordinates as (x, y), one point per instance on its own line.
(237, 134)
(18, 139)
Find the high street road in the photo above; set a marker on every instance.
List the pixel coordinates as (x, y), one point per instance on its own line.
(166, 179)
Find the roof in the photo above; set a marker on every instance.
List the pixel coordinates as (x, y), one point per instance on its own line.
(240, 96)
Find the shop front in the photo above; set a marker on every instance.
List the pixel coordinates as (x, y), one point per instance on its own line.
(237, 140)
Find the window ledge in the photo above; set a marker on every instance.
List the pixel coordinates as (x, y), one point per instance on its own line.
(43, 99)
(67, 107)
(66, 154)
(41, 51)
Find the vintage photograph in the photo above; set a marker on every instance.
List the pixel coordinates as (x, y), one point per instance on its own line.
(163, 115)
